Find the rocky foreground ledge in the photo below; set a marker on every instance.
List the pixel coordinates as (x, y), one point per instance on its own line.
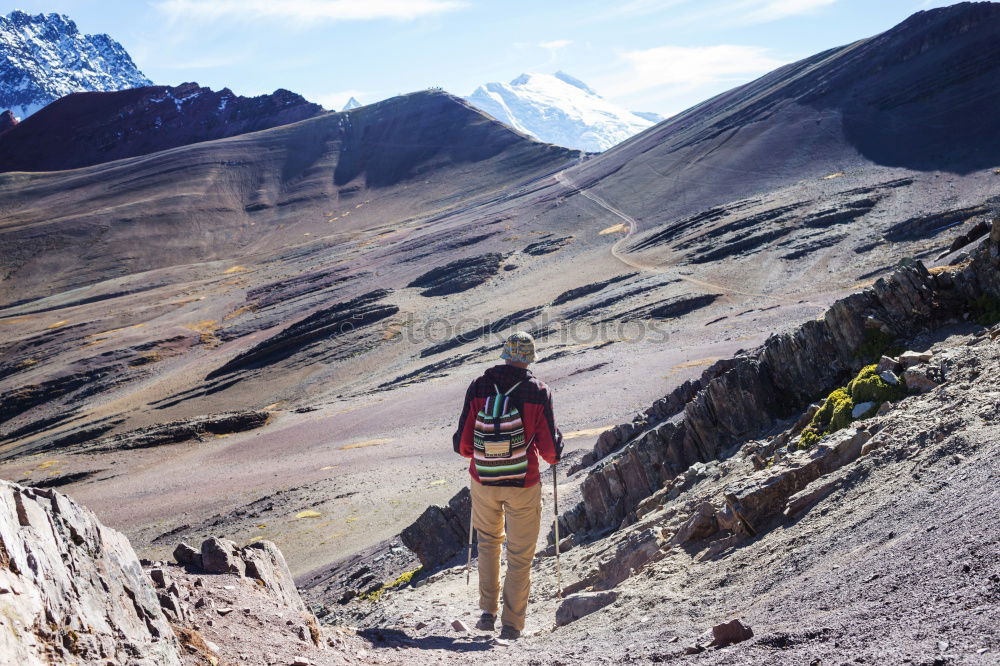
(72, 591)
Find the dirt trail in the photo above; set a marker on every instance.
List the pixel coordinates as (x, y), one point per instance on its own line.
(633, 227)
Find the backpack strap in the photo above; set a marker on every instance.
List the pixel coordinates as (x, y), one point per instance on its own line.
(510, 390)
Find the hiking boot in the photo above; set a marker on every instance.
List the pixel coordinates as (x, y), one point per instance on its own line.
(486, 622)
(509, 633)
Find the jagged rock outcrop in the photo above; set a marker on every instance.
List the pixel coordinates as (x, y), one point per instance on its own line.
(441, 532)
(741, 398)
(71, 589)
(260, 560)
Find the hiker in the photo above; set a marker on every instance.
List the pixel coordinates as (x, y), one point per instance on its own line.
(506, 422)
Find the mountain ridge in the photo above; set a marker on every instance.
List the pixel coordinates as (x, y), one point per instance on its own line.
(87, 128)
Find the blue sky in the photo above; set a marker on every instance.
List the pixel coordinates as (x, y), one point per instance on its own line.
(648, 55)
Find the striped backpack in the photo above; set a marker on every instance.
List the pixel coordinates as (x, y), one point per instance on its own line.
(501, 452)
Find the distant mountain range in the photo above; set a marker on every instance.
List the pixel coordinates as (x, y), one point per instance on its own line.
(560, 109)
(45, 57)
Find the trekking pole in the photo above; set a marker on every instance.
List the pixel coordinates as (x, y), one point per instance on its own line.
(555, 501)
(468, 561)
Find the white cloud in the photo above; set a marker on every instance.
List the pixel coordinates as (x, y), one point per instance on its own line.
(555, 44)
(207, 61)
(773, 10)
(685, 68)
(304, 10)
(715, 12)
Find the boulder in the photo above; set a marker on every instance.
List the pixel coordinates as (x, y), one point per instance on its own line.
(264, 562)
(814, 492)
(630, 556)
(219, 556)
(188, 557)
(159, 577)
(761, 498)
(700, 525)
(261, 560)
(889, 377)
(730, 632)
(887, 364)
(911, 358)
(582, 604)
(918, 379)
(74, 589)
(441, 532)
(861, 409)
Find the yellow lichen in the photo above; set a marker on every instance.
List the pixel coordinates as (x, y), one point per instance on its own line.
(308, 513)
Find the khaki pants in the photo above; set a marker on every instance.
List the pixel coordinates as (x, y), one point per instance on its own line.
(523, 509)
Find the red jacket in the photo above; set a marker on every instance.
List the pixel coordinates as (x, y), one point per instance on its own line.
(534, 401)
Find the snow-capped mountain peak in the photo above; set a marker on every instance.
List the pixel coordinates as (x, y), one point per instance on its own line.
(44, 57)
(351, 104)
(575, 82)
(560, 109)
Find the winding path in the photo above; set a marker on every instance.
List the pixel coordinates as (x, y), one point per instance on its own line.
(633, 227)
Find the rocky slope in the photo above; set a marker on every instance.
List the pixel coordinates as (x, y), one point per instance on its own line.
(248, 188)
(88, 128)
(560, 109)
(872, 102)
(45, 57)
(873, 544)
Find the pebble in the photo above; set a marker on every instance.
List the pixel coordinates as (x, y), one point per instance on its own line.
(458, 625)
(943, 645)
(223, 611)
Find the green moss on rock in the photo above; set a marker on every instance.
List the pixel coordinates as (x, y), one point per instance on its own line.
(868, 386)
(375, 593)
(836, 413)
